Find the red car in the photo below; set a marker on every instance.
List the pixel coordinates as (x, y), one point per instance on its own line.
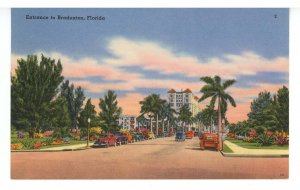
(209, 140)
(106, 141)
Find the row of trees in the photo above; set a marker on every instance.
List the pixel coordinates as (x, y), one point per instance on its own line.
(42, 100)
(267, 112)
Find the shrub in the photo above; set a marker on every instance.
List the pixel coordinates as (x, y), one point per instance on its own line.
(20, 135)
(95, 130)
(57, 141)
(252, 133)
(48, 141)
(38, 145)
(231, 135)
(38, 135)
(28, 143)
(282, 141)
(266, 139)
(124, 130)
(48, 133)
(249, 139)
(16, 146)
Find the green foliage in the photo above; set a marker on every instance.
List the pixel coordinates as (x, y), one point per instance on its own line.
(265, 139)
(185, 115)
(215, 90)
(61, 132)
(110, 112)
(283, 109)
(48, 141)
(75, 99)
(88, 112)
(33, 87)
(153, 106)
(263, 114)
(28, 143)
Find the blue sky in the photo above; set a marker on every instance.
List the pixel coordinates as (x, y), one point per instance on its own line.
(140, 51)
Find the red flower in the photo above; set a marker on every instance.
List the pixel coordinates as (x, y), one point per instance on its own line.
(252, 133)
(269, 133)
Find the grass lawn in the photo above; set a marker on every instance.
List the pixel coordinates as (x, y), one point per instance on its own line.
(243, 144)
(226, 149)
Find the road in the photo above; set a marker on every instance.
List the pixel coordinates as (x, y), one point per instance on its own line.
(153, 159)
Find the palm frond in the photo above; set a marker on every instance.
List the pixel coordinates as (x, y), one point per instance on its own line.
(228, 83)
(231, 100)
(204, 96)
(207, 80)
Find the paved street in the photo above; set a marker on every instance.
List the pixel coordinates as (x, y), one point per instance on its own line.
(152, 159)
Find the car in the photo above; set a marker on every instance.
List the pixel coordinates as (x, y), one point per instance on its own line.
(189, 134)
(121, 138)
(151, 135)
(105, 141)
(180, 136)
(140, 136)
(209, 140)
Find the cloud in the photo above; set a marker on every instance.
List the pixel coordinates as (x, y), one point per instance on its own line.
(153, 56)
(139, 66)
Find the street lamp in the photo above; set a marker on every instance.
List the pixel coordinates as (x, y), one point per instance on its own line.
(88, 132)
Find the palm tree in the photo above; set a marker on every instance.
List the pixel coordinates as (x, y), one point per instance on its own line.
(170, 112)
(216, 90)
(152, 105)
(167, 113)
(185, 115)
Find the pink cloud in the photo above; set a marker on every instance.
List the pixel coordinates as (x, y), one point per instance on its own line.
(153, 56)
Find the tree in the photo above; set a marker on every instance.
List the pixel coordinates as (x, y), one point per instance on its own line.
(185, 116)
(33, 87)
(170, 115)
(59, 120)
(216, 90)
(110, 112)
(263, 114)
(75, 99)
(152, 105)
(88, 112)
(208, 117)
(283, 109)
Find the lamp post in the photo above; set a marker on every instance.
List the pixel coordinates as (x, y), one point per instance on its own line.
(88, 132)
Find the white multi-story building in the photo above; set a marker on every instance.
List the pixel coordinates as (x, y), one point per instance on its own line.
(178, 99)
(127, 122)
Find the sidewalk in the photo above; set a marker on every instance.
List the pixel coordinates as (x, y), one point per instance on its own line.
(67, 147)
(245, 152)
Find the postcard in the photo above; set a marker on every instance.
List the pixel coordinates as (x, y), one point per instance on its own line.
(144, 93)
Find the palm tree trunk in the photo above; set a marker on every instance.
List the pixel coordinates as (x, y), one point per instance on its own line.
(163, 125)
(156, 124)
(211, 124)
(168, 128)
(151, 124)
(220, 124)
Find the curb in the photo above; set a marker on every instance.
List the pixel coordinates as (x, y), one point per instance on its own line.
(254, 155)
(66, 149)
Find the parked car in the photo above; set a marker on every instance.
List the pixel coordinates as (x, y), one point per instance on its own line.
(105, 141)
(129, 137)
(151, 135)
(140, 136)
(209, 140)
(180, 136)
(121, 138)
(189, 134)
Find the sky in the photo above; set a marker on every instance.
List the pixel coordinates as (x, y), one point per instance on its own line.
(136, 52)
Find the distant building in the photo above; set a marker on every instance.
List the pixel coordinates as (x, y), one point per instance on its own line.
(178, 99)
(127, 122)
